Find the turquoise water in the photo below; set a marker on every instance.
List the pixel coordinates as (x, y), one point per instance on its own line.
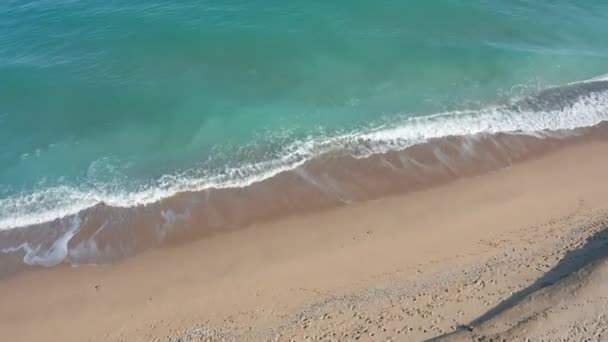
(128, 102)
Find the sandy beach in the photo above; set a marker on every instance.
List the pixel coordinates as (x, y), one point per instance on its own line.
(513, 254)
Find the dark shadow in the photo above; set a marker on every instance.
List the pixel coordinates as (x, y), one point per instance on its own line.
(595, 248)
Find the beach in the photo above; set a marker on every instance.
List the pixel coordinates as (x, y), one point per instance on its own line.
(302, 171)
(515, 253)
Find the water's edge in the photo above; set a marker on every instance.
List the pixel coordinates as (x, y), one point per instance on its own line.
(423, 153)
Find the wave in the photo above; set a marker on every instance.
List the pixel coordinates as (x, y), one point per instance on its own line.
(582, 104)
(67, 225)
(600, 78)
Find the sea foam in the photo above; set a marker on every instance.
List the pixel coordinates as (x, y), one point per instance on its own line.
(584, 109)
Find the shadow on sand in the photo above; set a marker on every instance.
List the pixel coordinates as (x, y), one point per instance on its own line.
(595, 248)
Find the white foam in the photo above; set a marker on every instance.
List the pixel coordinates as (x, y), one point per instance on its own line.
(50, 204)
(48, 256)
(600, 78)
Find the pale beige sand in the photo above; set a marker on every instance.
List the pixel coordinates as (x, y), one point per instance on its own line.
(403, 268)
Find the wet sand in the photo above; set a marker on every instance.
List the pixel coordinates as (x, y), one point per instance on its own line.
(106, 234)
(514, 253)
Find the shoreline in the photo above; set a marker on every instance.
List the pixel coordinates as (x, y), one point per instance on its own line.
(107, 235)
(334, 270)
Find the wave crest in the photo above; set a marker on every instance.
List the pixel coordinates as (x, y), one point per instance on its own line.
(573, 106)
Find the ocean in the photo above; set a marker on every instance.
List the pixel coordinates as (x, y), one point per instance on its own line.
(125, 123)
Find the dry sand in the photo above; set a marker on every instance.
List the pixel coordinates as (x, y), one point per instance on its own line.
(519, 253)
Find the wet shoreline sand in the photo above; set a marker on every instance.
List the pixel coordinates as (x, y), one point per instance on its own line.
(106, 234)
